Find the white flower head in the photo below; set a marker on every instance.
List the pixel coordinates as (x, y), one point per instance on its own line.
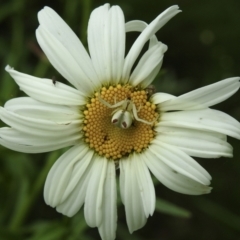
(111, 118)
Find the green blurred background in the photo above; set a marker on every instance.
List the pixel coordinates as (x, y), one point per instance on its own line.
(204, 48)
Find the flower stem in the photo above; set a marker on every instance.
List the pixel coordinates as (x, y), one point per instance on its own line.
(25, 204)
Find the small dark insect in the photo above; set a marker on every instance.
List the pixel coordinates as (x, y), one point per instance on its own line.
(54, 80)
(116, 165)
(133, 124)
(105, 138)
(150, 90)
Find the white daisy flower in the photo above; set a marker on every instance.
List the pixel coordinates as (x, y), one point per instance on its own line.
(112, 119)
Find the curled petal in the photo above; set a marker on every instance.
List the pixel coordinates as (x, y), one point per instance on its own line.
(148, 66)
(147, 33)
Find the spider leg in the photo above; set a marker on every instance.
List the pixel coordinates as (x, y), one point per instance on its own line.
(115, 99)
(139, 108)
(110, 105)
(139, 119)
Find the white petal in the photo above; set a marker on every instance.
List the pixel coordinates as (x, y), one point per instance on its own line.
(63, 61)
(180, 162)
(78, 171)
(161, 97)
(106, 40)
(95, 38)
(108, 227)
(207, 120)
(171, 179)
(115, 42)
(39, 127)
(195, 143)
(203, 97)
(54, 24)
(63, 173)
(93, 210)
(23, 142)
(151, 60)
(134, 208)
(139, 26)
(122, 180)
(44, 90)
(147, 33)
(145, 184)
(76, 198)
(29, 107)
(208, 135)
(34, 149)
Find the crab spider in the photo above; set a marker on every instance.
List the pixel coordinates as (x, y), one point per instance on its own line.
(125, 113)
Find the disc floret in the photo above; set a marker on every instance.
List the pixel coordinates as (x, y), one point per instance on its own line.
(119, 120)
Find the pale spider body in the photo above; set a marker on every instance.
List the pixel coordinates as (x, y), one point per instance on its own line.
(125, 113)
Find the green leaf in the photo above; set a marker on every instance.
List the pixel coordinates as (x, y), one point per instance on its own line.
(218, 212)
(47, 230)
(171, 209)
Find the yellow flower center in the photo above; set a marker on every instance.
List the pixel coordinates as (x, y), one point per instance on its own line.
(110, 140)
